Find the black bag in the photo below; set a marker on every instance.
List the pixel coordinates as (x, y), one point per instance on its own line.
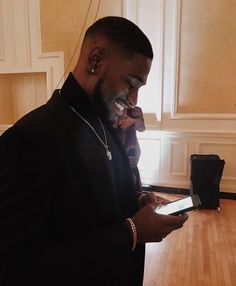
(205, 176)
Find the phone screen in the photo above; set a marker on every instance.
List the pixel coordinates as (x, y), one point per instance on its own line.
(175, 206)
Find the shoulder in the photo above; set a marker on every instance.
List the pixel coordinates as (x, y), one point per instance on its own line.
(28, 125)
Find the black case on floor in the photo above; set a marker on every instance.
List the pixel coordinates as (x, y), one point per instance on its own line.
(205, 176)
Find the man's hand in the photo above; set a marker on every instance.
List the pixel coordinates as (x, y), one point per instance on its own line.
(150, 198)
(153, 227)
(127, 122)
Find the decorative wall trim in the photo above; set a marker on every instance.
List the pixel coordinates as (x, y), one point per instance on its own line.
(21, 34)
(173, 157)
(130, 10)
(176, 48)
(207, 116)
(138, 11)
(154, 134)
(182, 191)
(171, 175)
(20, 49)
(34, 60)
(161, 189)
(215, 143)
(153, 154)
(151, 121)
(2, 50)
(175, 77)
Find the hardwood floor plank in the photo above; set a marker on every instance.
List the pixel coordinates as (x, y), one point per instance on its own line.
(202, 253)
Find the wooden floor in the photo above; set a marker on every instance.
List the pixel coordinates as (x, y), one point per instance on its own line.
(201, 253)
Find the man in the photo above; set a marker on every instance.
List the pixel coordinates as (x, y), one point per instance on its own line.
(69, 210)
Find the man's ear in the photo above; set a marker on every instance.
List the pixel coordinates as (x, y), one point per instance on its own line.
(95, 59)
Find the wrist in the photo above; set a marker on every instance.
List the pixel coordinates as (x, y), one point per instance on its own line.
(133, 231)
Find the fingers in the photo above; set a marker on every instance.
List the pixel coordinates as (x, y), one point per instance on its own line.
(150, 198)
(175, 222)
(172, 223)
(163, 200)
(154, 227)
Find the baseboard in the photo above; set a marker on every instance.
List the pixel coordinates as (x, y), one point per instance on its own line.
(171, 190)
(226, 195)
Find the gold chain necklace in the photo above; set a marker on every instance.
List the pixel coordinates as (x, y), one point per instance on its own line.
(105, 145)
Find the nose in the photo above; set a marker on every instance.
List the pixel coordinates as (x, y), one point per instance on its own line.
(133, 97)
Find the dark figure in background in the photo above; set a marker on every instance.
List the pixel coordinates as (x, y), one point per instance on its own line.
(69, 210)
(129, 120)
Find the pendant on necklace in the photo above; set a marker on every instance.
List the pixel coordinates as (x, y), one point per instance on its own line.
(109, 156)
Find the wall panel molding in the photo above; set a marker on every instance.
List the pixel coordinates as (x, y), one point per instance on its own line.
(2, 49)
(33, 75)
(21, 28)
(175, 114)
(21, 36)
(178, 157)
(175, 149)
(130, 10)
(150, 96)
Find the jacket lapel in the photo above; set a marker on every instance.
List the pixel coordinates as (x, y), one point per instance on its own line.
(89, 153)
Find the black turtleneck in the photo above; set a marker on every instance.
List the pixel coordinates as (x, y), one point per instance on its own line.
(76, 97)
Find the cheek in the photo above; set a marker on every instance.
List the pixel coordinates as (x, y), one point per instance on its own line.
(114, 87)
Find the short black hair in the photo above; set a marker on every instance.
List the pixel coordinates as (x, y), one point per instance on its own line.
(123, 33)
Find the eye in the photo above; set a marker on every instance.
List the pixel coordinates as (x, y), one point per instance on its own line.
(130, 84)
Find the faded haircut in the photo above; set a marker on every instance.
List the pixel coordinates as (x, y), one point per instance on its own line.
(124, 34)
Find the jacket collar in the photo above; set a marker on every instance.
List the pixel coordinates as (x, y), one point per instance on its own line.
(72, 126)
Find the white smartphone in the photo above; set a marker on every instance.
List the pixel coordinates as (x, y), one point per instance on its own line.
(179, 206)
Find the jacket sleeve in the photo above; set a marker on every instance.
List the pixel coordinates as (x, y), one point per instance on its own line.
(28, 230)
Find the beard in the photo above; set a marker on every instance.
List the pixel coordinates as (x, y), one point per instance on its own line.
(104, 105)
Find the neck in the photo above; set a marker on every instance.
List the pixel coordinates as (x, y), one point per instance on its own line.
(86, 81)
(91, 87)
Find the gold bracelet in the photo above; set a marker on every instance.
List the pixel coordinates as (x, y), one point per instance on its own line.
(134, 233)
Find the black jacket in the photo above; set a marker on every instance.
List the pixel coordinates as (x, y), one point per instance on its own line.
(63, 203)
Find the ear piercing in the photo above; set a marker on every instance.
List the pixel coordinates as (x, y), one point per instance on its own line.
(95, 64)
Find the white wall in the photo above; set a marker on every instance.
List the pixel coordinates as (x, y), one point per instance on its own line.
(166, 148)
